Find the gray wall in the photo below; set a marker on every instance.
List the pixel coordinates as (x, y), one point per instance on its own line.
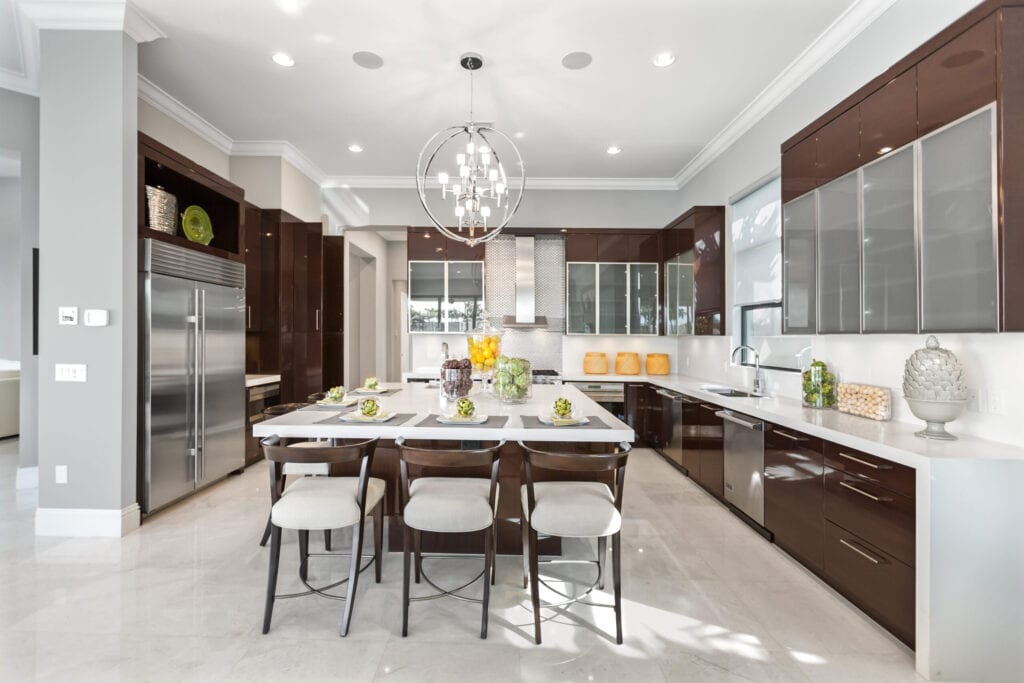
(88, 234)
(10, 268)
(19, 132)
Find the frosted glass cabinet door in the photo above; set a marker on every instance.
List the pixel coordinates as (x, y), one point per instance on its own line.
(798, 256)
(839, 256)
(958, 265)
(671, 269)
(643, 298)
(613, 297)
(580, 298)
(890, 265)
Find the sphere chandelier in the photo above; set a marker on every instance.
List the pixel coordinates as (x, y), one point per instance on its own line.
(481, 201)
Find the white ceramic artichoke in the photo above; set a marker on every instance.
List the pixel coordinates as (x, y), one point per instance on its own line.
(934, 374)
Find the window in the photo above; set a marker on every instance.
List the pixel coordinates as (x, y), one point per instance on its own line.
(757, 279)
(445, 296)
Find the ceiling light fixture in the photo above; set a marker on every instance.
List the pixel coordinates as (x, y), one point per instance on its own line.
(613, 150)
(283, 59)
(577, 60)
(368, 60)
(480, 188)
(355, 148)
(664, 59)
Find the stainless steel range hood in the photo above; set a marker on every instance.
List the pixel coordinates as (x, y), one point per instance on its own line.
(526, 288)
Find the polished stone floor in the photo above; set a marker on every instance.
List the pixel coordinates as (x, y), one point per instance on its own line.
(705, 599)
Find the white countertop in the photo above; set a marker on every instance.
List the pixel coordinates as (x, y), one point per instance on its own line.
(259, 380)
(892, 440)
(422, 400)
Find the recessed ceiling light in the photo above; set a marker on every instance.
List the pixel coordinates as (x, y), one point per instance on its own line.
(577, 60)
(283, 59)
(520, 135)
(355, 148)
(664, 59)
(322, 38)
(613, 150)
(367, 60)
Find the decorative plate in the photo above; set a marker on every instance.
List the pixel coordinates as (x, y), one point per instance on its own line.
(196, 225)
(562, 421)
(359, 417)
(456, 420)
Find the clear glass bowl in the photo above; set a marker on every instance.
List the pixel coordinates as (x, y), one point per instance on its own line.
(513, 380)
(818, 386)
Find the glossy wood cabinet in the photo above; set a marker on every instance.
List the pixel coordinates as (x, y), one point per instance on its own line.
(612, 246)
(428, 244)
(333, 322)
(692, 437)
(799, 169)
(709, 272)
(252, 250)
(711, 471)
(837, 146)
(581, 247)
(794, 467)
(888, 117)
(636, 401)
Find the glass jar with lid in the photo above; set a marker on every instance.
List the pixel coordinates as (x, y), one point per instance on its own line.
(484, 345)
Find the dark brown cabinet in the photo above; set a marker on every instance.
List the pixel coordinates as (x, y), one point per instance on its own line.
(425, 244)
(711, 454)
(635, 399)
(958, 77)
(799, 169)
(888, 116)
(333, 322)
(581, 247)
(838, 146)
(709, 272)
(253, 251)
(691, 437)
(794, 466)
(612, 246)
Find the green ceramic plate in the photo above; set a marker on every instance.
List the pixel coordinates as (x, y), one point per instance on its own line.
(196, 225)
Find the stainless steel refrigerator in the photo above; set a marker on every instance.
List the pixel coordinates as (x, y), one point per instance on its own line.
(192, 371)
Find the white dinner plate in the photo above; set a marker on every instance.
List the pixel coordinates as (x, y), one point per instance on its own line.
(560, 422)
(456, 420)
(359, 417)
(343, 403)
(364, 390)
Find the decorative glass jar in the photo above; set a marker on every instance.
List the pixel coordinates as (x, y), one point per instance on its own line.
(456, 378)
(513, 380)
(484, 345)
(818, 389)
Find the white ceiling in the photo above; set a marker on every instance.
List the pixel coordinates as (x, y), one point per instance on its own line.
(216, 61)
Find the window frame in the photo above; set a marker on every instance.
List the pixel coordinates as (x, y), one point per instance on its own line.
(445, 303)
(745, 339)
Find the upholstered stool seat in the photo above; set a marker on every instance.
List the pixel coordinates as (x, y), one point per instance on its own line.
(318, 503)
(449, 504)
(572, 509)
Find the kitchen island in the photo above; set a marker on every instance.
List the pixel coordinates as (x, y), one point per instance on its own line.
(416, 406)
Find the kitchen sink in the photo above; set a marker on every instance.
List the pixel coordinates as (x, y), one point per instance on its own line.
(727, 391)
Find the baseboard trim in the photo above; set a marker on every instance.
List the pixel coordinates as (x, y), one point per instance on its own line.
(87, 522)
(27, 478)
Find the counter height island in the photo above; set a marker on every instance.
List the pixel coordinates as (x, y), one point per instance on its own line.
(416, 407)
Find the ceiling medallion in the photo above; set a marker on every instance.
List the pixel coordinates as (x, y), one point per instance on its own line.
(481, 199)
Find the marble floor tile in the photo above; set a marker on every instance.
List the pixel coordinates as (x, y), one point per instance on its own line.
(704, 599)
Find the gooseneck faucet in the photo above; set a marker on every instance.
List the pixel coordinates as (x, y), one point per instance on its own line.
(758, 376)
(444, 351)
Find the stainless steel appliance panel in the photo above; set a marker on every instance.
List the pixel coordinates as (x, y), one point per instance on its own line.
(672, 425)
(743, 437)
(222, 381)
(169, 382)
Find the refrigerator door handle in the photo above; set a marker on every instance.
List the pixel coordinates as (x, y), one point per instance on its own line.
(195, 388)
(202, 440)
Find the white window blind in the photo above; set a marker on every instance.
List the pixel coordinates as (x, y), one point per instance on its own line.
(757, 245)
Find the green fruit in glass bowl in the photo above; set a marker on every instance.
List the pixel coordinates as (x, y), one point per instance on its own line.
(563, 407)
(369, 407)
(335, 394)
(464, 407)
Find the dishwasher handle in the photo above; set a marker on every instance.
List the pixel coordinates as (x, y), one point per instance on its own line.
(728, 415)
(669, 394)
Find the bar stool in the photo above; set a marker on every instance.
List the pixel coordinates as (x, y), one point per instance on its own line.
(448, 505)
(311, 469)
(573, 509)
(322, 503)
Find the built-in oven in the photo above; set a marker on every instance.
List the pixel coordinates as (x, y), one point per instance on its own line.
(609, 395)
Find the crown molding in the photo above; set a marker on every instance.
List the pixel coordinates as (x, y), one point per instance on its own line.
(92, 15)
(165, 103)
(283, 149)
(839, 33)
(409, 182)
(25, 81)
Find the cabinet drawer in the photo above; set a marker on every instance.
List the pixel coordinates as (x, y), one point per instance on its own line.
(876, 582)
(885, 473)
(877, 515)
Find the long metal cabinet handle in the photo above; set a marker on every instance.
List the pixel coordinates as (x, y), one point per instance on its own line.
(877, 499)
(195, 388)
(202, 442)
(726, 415)
(790, 436)
(711, 408)
(318, 320)
(867, 556)
(674, 397)
(248, 317)
(864, 462)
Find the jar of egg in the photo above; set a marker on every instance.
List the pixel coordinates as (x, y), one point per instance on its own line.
(864, 400)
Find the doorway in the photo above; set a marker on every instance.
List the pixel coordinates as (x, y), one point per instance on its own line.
(362, 298)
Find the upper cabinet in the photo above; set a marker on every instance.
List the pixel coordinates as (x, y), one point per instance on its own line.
(709, 271)
(917, 187)
(612, 246)
(611, 298)
(428, 244)
(445, 296)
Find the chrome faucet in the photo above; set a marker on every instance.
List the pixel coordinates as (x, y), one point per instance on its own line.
(444, 351)
(758, 375)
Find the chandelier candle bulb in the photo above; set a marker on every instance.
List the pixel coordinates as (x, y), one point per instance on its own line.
(460, 159)
(442, 178)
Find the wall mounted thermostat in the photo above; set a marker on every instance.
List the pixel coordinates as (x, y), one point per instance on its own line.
(96, 317)
(67, 315)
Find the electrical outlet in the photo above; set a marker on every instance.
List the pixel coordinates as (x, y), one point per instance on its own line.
(60, 474)
(974, 401)
(69, 372)
(997, 402)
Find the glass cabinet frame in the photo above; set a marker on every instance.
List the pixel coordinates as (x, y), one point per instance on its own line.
(629, 295)
(445, 300)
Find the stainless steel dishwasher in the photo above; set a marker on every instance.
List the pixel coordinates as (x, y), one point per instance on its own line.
(743, 439)
(671, 431)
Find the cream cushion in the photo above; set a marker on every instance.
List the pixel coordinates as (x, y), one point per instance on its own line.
(323, 502)
(574, 509)
(449, 504)
(308, 468)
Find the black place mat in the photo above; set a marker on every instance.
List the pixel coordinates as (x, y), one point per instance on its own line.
(399, 419)
(337, 408)
(533, 422)
(492, 422)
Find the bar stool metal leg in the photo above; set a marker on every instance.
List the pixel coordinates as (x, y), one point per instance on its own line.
(275, 558)
(378, 538)
(525, 527)
(617, 582)
(303, 555)
(534, 584)
(416, 542)
(266, 533)
(602, 560)
(327, 540)
(406, 557)
(488, 565)
(353, 580)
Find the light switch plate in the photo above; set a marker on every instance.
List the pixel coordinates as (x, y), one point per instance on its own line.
(67, 315)
(69, 372)
(96, 317)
